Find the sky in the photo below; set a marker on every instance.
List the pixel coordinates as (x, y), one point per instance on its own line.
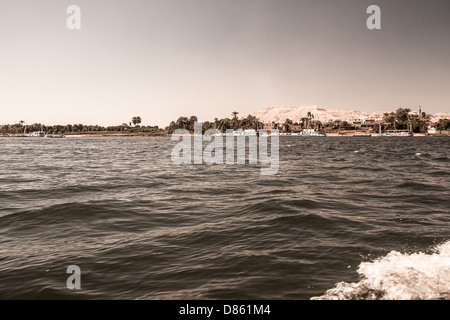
(161, 59)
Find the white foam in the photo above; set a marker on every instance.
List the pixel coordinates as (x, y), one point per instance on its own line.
(399, 276)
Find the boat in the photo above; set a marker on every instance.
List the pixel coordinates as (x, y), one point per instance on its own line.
(240, 133)
(38, 134)
(397, 133)
(237, 133)
(18, 135)
(312, 133)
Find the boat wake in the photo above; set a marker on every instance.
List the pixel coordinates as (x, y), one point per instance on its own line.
(399, 276)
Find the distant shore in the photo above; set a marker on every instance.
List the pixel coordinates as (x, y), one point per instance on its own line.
(165, 134)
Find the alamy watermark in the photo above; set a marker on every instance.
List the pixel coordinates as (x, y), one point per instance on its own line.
(374, 21)
(73, 21)
(74, 281)
(189, 149)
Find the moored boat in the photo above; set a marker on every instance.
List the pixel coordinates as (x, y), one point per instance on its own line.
(312, 133)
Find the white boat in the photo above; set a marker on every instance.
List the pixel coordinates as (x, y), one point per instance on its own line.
(312, 133)
(239, 133)
(397, 133)
(39, 134)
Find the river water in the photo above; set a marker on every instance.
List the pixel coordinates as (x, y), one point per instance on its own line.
(345, 217)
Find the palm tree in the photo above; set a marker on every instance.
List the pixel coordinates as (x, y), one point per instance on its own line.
(191, 124)
(318, 125)
(287, 125)
(259, 124)
(224, 124)
(21, 123)
(309, 120)
(136, 120)
(235, 119)
(303, 122)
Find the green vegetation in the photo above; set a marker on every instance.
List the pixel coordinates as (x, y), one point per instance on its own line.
(443, 124)
(136, 121)
(75, 129)
(401, 119)
(250, 122)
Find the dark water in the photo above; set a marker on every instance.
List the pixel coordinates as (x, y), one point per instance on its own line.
(140, 227)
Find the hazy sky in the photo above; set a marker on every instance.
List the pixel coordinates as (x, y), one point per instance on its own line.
(160, 59)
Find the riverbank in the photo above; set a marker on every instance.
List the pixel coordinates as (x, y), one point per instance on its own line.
(169, 135)
(90, 135)
(165, 133)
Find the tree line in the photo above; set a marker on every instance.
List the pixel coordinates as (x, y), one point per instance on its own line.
(187, 123)
(396, 120)
(132, 127)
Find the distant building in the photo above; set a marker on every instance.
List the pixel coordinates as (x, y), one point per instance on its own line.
(295, 127)
(414, 115)
(368, 123)
(417, 115)
(270, 126)
(363, 123)
(347, 128)
(356, 122)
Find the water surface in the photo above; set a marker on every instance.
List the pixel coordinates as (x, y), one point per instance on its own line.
(340, 210)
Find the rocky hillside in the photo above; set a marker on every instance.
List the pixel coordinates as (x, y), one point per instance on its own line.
(280, 114)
